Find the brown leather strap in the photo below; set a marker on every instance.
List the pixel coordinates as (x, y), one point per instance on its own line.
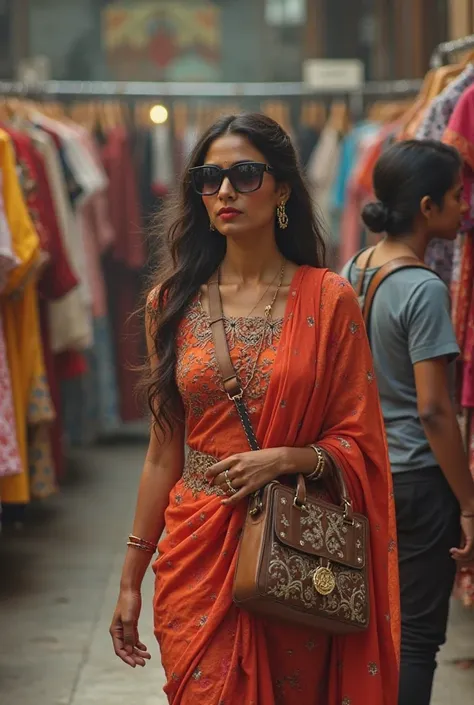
(360, 284)
(385, 271)
(229, 378)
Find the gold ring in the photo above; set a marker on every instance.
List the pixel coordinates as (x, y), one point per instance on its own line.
(232, 489)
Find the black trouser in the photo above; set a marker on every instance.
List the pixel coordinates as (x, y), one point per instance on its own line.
(428, 527)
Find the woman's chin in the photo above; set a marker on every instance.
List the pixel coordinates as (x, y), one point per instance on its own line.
(234, 230)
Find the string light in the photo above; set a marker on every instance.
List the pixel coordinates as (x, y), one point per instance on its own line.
(158, 114)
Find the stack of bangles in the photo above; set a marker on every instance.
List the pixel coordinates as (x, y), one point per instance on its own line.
(141, 544)
(318, 471)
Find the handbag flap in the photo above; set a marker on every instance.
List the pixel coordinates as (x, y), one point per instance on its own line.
(320, 529)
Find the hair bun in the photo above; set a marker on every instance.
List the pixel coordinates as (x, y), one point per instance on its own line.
(376, 216)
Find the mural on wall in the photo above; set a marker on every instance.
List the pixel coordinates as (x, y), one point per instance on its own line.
(163, 41)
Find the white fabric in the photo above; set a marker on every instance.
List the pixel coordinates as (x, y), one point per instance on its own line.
(322, 170)
(69, 317)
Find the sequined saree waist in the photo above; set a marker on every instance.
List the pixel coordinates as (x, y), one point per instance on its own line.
(194, 474)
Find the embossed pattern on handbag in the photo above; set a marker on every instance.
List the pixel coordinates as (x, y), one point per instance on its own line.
(304, 560)
(301, 558)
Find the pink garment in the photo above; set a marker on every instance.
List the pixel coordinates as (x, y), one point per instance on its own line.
(95, 224)
(97, 234)
(460, 134)
(10, 462)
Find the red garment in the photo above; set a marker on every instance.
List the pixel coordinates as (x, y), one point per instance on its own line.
(315, 384)
(28, 177)
(70, 364)
(58, 278)
(127, 257)
(124, 203)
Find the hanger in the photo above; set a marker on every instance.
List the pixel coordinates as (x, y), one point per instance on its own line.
(442, 77)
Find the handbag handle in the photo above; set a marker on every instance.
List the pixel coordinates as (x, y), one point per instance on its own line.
(234, 391)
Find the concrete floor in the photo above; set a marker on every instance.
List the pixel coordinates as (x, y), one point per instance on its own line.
(58, 585)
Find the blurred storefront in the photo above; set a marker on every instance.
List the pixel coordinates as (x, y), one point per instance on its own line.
(210, 39)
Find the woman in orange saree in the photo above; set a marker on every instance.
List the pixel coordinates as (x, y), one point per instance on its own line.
(313, 382)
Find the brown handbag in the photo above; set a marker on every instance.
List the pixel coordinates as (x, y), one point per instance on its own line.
(301, 558)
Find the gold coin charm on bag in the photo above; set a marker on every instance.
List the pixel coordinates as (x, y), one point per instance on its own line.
(324, 581)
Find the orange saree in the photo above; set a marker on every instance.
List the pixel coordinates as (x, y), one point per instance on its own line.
(315, 382)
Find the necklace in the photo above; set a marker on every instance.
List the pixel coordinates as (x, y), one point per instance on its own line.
(267, 317)
(265, 292)
(260, 299)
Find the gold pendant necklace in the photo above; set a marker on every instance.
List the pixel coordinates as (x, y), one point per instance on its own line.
(268, 313)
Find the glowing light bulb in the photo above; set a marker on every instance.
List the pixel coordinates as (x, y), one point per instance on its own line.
(158, 114)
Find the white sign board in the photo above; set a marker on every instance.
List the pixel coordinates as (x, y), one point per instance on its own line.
(34, 70)
(333, 74)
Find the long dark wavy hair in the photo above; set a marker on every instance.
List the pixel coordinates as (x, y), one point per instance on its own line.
(189, 252)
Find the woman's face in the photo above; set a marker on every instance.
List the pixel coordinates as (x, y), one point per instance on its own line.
(447, 220)
(236, 214)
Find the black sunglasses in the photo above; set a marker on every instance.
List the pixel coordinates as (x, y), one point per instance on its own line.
(245, 177)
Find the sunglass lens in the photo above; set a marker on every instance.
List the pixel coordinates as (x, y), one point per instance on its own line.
(207, 180)
(246, 177)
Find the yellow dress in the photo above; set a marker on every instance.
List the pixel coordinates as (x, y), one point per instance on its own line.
(19, 313)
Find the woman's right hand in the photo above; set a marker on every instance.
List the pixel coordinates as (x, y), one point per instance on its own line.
(466, 553)
(124, 630)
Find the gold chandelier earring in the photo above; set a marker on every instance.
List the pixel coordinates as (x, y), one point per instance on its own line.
(282, 216)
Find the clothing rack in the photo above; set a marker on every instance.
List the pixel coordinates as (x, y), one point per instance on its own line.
(443, 51)
(147, 89)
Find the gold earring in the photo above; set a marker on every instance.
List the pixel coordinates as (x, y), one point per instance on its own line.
(211, 225)
(282, 217)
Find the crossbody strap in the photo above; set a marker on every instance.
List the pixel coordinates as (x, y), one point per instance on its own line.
(231, 382)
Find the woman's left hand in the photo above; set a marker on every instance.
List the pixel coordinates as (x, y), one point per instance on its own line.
(242, 474)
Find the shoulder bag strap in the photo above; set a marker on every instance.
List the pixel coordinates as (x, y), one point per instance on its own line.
(231, 382)
(383, 273)
(360, 282)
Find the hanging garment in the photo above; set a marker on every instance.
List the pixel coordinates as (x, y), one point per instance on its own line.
(439, 254)
(322, 169)
(360, 191)
(124, 265)
(10, 461)
(19, 311)
(439, 112)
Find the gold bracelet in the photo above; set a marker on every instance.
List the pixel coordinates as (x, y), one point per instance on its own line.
(141, 543)
(319, 469)
(141, 548)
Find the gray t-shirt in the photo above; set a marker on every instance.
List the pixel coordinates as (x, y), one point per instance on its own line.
(410, 323)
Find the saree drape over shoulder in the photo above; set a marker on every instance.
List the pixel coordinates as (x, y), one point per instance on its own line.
(314, 383)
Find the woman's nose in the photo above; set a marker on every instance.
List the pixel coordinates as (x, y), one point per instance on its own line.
(226, 188)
